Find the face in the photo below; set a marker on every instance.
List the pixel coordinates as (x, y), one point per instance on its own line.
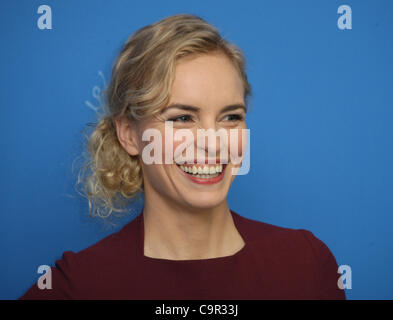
(207, 93)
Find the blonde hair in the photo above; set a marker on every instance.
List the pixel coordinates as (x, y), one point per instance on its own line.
(139, 87)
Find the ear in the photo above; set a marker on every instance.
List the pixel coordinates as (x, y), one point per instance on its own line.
(127, 135)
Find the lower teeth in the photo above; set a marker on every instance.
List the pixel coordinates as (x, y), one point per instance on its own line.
(205, 176)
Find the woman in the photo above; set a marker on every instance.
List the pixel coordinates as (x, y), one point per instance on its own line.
(179, 73)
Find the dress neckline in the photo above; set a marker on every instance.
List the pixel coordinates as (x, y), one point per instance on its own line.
(238, 224)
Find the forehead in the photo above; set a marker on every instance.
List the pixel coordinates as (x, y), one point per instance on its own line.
(208, 79)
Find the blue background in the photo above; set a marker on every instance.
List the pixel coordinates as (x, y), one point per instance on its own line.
(321, 125)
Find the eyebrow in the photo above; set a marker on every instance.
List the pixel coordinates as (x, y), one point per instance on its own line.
(196, 109)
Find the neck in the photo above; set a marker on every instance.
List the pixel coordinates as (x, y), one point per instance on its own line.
(177, 232)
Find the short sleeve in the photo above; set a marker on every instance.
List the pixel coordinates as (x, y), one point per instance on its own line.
(64, 281)
(327, 274)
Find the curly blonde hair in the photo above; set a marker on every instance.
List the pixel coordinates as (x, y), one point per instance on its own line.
(140, 87)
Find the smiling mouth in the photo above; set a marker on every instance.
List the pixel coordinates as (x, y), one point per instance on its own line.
(203, 171)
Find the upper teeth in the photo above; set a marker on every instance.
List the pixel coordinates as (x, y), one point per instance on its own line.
(202, 170)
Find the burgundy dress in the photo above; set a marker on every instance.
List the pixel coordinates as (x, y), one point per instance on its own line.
(274, 263)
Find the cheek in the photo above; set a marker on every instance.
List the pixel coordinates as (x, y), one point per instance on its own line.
(180, 146)
(168, 148)
(237, 142)
(158, 149)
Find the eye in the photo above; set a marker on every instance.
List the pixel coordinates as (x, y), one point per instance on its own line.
(234, 117)
(182, 118)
